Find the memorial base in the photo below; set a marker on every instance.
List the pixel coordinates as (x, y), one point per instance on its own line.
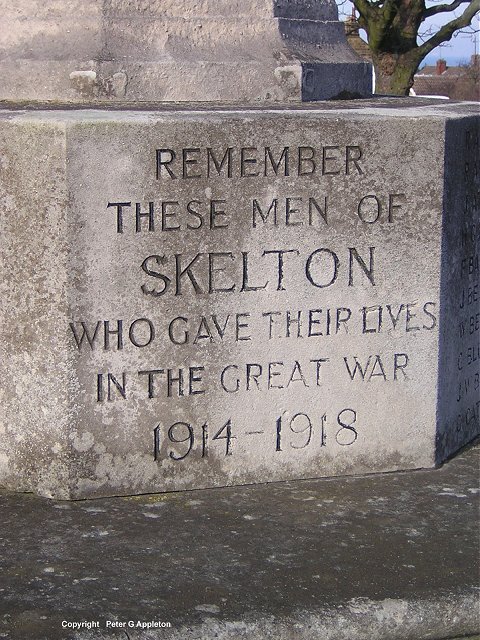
(201, 297)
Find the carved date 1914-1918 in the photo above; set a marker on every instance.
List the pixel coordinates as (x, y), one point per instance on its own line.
(178, 440)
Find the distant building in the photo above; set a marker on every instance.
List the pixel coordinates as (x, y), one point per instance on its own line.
(457, 83)
(352, 31)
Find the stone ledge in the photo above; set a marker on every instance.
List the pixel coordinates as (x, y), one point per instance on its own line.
(381, 105)
(390, 557)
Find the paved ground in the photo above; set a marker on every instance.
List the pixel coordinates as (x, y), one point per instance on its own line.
(385, 557)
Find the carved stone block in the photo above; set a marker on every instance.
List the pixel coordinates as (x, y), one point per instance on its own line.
(198, 298)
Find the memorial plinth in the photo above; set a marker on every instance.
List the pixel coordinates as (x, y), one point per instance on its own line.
(199, 297)
(187, 50)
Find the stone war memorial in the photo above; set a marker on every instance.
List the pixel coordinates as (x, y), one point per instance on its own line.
(212, 273)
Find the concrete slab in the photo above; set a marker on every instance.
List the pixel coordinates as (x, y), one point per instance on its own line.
(386, 557)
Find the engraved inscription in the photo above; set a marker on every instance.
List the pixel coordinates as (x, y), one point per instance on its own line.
(268, 321)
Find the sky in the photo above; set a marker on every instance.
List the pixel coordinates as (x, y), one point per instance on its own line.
(458, 51)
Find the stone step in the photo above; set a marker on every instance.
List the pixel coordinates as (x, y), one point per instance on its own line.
(391, 557)
(299, 9)
(136, 9)
(172, 81)
(43, 42)
(147, 39)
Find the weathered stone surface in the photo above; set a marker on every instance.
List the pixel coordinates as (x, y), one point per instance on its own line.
(391, 557)
(316, 293)
(459, 355)
(259, 50)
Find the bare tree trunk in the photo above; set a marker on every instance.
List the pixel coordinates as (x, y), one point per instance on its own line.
(393, 26)
(394, 73)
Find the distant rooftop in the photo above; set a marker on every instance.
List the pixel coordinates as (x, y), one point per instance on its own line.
(456, 82)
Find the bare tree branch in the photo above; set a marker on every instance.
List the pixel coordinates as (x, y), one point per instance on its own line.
(390, 10)
(445, 33)
(397, 45)
(441, 8)
(365, 8)
(376, 17)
